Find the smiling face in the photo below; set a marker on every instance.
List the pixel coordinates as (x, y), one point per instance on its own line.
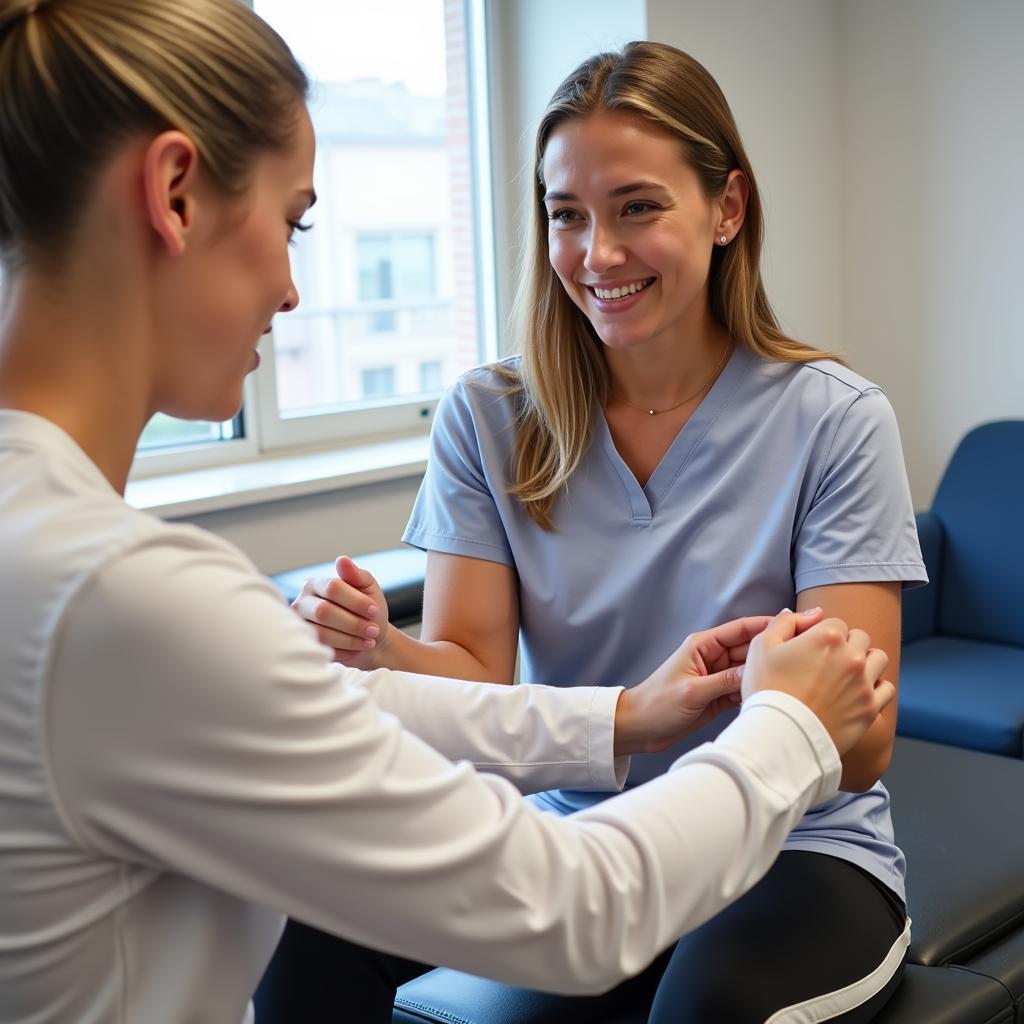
(236, 276)
(630, 231)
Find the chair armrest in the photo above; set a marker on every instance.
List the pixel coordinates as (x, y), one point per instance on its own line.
(921, 604)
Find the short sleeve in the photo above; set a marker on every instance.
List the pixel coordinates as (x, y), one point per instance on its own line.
(860, 526)
(457, 510)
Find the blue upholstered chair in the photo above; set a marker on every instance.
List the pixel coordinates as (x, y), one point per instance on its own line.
(962, 673)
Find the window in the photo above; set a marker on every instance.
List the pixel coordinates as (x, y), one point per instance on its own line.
(396, 275)
(393, 281)
(431, 376)
(379, 382)
(163, 432)
(389, 278)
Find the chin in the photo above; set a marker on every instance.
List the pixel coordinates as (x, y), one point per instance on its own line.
(623, 340)
(216, 409)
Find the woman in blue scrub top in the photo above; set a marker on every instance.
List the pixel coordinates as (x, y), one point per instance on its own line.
(661, 457)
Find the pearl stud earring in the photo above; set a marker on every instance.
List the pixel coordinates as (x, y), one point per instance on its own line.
(722, 239)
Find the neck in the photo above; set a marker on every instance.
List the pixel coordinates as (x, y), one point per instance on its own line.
(665, 372)
(69, 352)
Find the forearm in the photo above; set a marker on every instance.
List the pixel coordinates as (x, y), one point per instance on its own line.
(404, 653)
(867, 762)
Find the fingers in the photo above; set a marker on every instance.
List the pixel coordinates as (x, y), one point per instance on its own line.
(808, 617)
(328, 615)
(339, 592)
(342, 642)
(875, 663)
(786, 625)
(859, 642)
(719, 684)
(727, 638)
(884, 694)
(352, 574)
(739, 631)
(828, 631)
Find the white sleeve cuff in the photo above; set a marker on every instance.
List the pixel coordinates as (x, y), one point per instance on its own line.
(607, 771)
(776, 732)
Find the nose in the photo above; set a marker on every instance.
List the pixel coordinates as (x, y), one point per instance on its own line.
(291, 299)
(604, 250)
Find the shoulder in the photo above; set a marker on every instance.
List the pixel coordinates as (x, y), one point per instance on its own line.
(175, 557)
(820, 389)
(831, 377)
(184, 596)
(824, 378)
(484, 395)
(497, 378)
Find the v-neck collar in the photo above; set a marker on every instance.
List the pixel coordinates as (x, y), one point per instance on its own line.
(644, 501)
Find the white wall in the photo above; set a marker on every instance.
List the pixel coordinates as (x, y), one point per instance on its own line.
(776, 62)
(282, 535)
(933, 154)
(532, 46)
(888, 138)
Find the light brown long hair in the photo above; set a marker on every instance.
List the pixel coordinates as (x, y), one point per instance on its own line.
(78, 77)
(563, 369)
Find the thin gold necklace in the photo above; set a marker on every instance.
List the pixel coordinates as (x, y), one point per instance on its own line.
(689, 398)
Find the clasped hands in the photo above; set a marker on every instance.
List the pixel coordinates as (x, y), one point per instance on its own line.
(822, 662)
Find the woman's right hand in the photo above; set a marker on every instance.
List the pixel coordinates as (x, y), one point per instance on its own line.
(349, 614)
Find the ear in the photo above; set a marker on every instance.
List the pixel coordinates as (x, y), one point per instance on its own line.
(170, 171)
(732, 205)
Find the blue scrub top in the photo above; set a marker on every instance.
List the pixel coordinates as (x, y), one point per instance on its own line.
(787, 476)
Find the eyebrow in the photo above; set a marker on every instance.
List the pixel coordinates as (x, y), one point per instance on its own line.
(622, 190)
(311, 197)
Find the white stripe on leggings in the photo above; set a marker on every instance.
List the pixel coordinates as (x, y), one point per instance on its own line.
(833, 1004)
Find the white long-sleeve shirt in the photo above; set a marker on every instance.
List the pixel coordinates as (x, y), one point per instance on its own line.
(180, 766)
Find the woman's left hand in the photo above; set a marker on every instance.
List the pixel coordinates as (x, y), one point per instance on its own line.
(699, 681)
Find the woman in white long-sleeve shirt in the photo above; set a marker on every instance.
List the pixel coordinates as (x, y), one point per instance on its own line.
(180, 764)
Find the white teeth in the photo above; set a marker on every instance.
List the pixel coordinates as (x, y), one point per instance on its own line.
(621, 293)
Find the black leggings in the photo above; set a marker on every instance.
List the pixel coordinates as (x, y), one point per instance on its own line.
(815, 930)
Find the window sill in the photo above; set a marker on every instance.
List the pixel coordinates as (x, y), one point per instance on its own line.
(278, 477)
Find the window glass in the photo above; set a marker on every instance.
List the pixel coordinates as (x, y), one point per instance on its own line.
(379, 381)
(164, 432)
(431, 375)
(388, 276)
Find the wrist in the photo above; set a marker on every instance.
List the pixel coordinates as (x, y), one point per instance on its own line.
(387, 653)
(628, 734)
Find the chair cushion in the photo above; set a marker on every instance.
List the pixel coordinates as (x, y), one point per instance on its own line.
(946, 995)
(927, 995)
(954, 815)
(399, 571)
(979, 502)
(963, 692)
(451, 997)
(1005, 963)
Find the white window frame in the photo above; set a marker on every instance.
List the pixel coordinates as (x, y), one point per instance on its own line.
(204, 454)
(406, 414)
(269, 434)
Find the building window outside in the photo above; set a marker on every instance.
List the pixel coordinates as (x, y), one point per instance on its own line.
(163, 432)
(431, 376)
(389, 276)
(389, 273)
(378, 382)
(396, 274)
